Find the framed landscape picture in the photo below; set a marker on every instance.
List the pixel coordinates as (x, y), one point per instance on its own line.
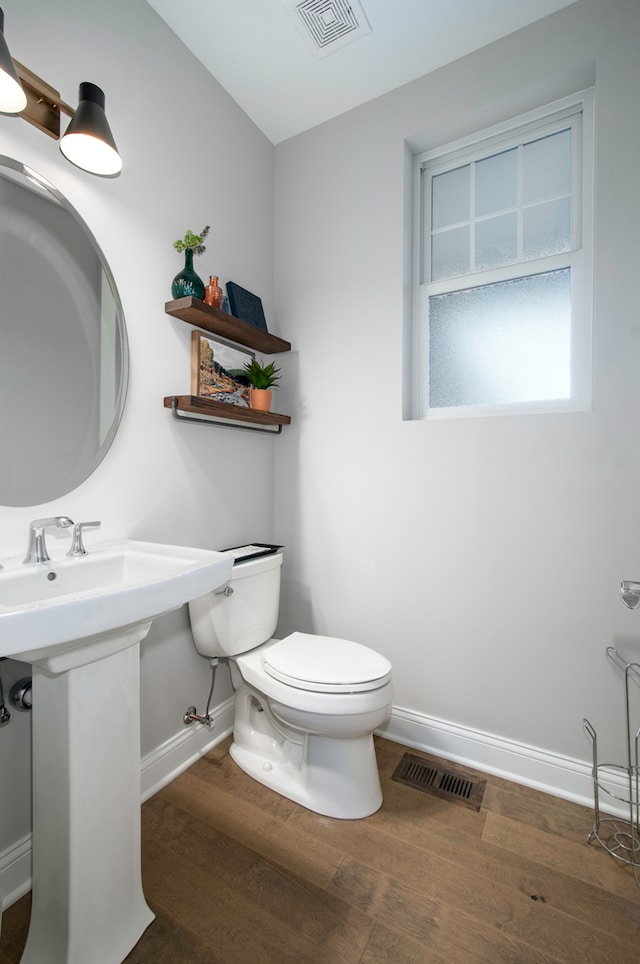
(216, 370)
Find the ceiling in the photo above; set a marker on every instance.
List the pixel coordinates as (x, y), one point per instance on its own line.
(254, 49)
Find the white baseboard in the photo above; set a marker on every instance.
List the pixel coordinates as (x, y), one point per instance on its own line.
(549, 772)
(158, 768)
(15, 872)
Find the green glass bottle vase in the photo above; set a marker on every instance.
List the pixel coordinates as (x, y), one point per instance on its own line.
(187, 283)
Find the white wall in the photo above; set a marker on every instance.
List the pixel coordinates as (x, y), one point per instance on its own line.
(482, 555)
(191, 157)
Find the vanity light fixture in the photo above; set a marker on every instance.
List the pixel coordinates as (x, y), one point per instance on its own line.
(12, 97)
(88, 142)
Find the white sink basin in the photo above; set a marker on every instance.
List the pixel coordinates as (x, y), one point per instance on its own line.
(115, 585)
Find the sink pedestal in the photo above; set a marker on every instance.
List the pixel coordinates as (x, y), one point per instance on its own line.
(88, 905)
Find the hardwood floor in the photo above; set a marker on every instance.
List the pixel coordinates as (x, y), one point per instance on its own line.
(236, 874)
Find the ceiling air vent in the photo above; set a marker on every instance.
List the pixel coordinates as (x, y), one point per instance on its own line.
(327, 25)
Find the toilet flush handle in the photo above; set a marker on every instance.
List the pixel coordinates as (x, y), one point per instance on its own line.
(227, 591)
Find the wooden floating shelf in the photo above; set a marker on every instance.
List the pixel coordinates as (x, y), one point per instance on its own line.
(194, 405)
(195, 312)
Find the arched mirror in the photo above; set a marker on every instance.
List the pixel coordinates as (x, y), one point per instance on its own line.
(63, 348)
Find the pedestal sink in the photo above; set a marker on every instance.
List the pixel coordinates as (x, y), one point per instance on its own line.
(79, 622)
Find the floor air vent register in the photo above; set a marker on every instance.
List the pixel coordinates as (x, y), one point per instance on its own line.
(453, 783)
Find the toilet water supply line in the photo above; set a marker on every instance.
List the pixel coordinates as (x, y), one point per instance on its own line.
(191, 715)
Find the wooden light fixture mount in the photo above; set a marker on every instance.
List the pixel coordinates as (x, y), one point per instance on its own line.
(44, 104)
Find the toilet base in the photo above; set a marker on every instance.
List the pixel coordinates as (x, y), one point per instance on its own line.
(336, 777)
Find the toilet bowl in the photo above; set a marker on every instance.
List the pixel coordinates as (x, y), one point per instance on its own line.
(306, 706)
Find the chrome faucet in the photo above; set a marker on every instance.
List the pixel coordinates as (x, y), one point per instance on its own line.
(37, 549)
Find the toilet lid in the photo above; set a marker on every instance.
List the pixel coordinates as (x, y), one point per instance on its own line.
(324, 664)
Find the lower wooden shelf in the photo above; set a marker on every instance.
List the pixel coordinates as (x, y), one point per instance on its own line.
(208, 409)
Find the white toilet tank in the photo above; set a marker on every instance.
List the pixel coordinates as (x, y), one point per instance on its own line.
(227, 623)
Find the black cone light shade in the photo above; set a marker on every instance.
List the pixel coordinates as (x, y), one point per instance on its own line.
(88, 142)
(12, 97)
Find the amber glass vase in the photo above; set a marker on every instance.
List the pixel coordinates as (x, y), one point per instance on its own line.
(213, 293)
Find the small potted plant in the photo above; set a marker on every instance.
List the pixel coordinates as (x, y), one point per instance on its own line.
(262, 379)
(187, 283)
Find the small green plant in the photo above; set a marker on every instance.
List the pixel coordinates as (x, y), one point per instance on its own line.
(192, 241)
(261, 376)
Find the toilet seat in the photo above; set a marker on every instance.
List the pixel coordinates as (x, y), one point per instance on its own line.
(326, 664)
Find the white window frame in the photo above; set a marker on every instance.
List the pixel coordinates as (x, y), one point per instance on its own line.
(576, 112)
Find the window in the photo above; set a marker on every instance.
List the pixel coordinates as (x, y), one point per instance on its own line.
(503, 262)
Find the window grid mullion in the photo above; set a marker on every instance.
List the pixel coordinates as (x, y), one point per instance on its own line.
(520, 203)
(472, 217)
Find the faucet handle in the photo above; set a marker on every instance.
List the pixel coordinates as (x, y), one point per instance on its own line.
(77, 545)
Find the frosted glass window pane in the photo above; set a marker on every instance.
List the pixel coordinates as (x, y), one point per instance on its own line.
(496, 241)
(501, 343)
(450, 254)
(450, 198)
(547, 167)
(497, 183)
(547, 229)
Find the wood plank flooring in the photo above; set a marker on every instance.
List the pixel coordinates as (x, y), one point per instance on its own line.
(236, 874)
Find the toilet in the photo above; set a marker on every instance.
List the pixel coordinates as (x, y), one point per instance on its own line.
(306, 706)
